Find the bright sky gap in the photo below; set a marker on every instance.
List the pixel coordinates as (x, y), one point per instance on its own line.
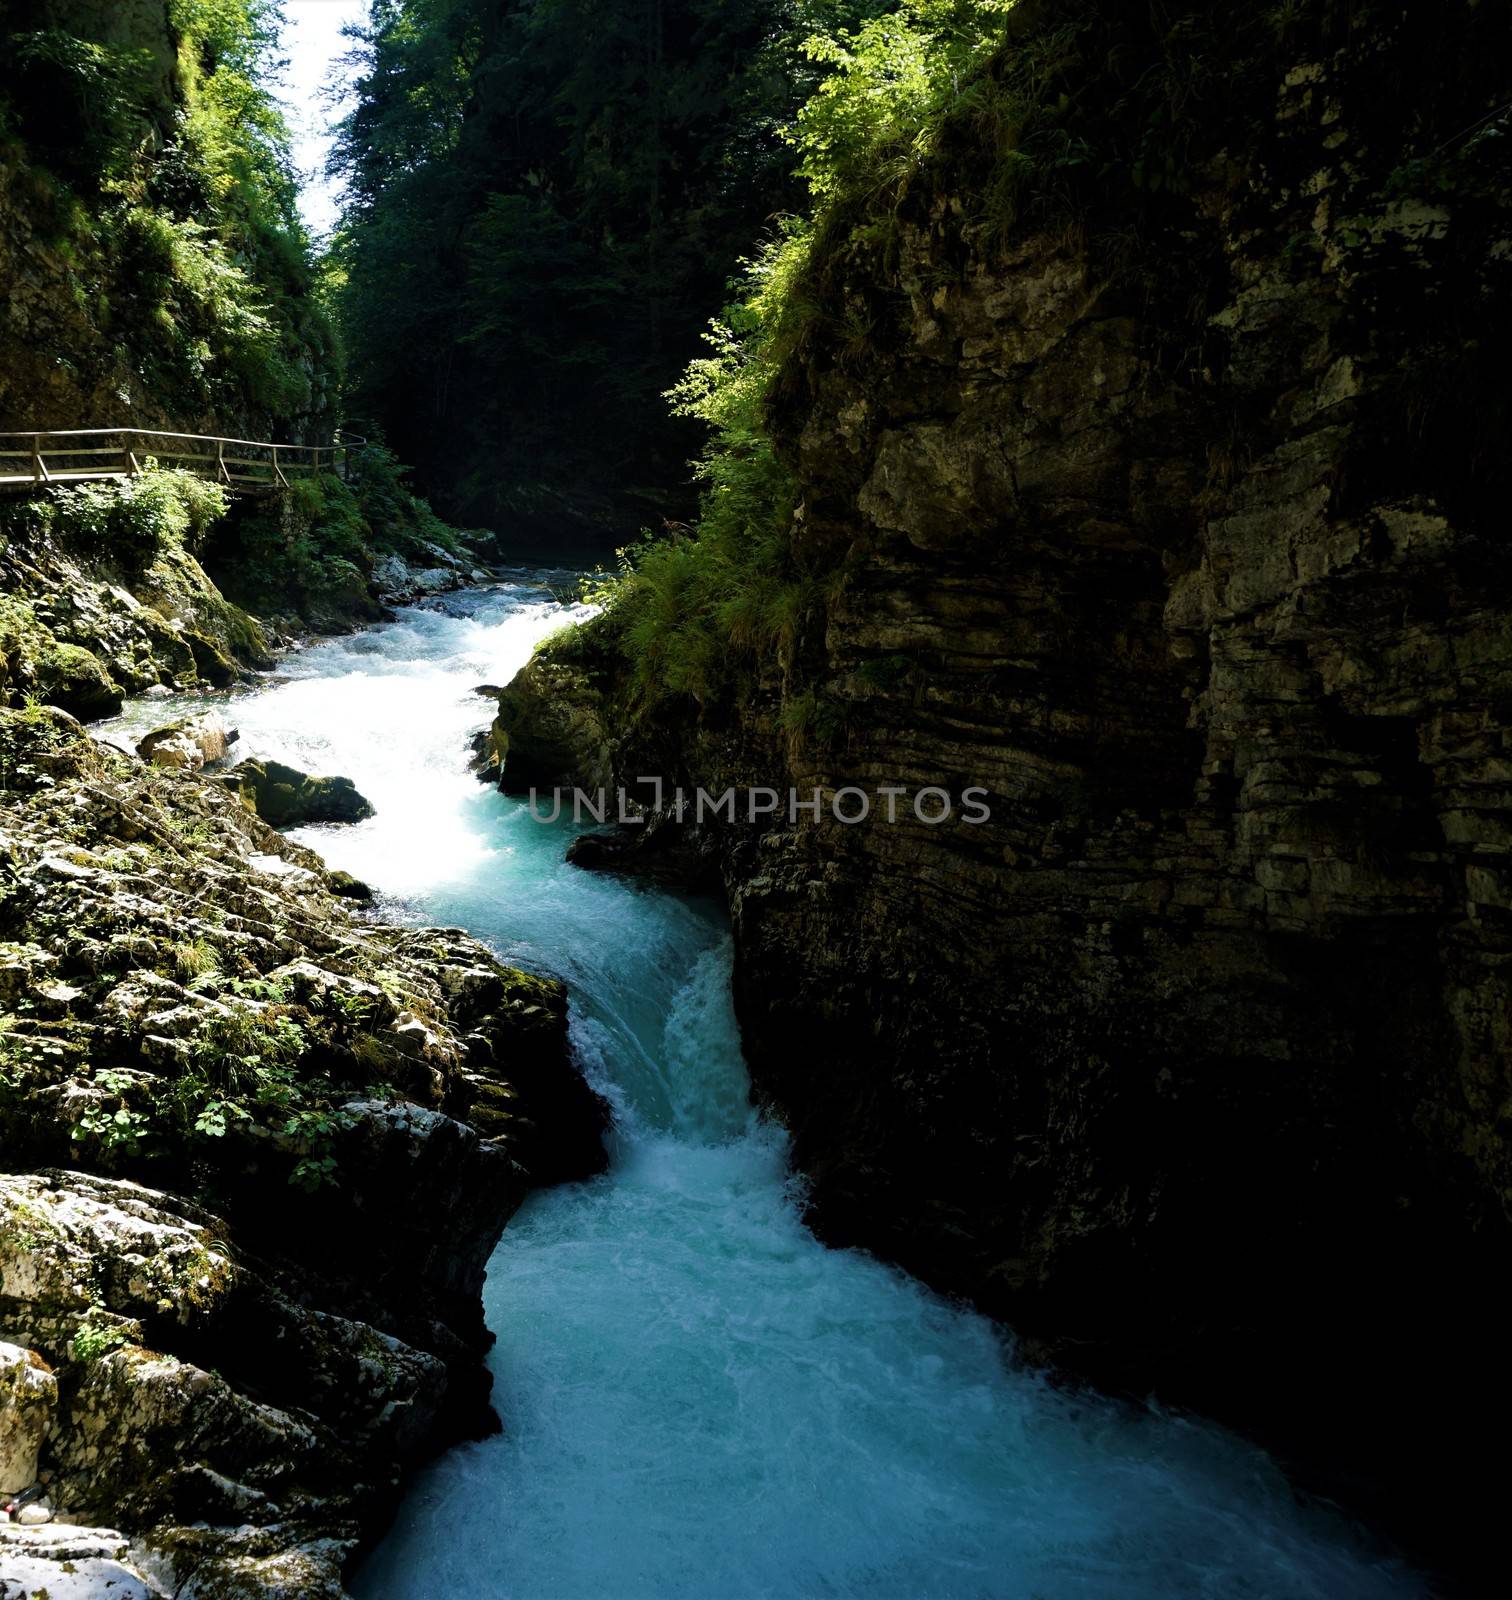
(313, 43)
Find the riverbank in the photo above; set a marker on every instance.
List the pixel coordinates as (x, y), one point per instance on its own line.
(258, 1147)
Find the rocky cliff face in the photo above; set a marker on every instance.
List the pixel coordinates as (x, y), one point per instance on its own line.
(62, 362)
(83, 625)
(1177, 526)
(257, 1152)
(152, 270)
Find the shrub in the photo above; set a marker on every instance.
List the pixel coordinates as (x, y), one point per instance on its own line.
(694, 608)
(133, 519)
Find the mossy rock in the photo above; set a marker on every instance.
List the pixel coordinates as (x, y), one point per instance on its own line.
(211, 662)
(41, 745)
(36, 665)
(285, 797)
(70, 676)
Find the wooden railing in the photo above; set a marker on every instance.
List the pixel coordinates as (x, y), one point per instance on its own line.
(88, 455)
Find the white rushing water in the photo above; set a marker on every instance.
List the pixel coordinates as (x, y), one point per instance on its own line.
(699, 1399)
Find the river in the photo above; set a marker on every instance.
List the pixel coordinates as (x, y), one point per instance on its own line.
(699, 1399)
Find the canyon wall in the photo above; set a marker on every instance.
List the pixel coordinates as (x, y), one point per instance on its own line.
(153, 270)
(1175, 520)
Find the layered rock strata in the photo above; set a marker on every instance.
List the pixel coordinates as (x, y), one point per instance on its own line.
(1177, 524)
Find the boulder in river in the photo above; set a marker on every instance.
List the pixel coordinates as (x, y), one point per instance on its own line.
(285, 797)
(552, 725)
(346, 887)
(399, 582)
(188, 744)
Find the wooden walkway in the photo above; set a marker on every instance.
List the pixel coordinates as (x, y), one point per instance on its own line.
(95, 455)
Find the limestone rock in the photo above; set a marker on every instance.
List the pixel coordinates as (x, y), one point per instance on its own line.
(28, 1395)
(71, 1563)
(188, 744)
(243, 1376)
(398, 582)
(391, 576)
(551, 721)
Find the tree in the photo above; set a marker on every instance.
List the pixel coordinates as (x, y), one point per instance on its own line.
(547, 199)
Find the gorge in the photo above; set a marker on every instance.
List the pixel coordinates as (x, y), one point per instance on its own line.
(699, 1398)
(1104, 417)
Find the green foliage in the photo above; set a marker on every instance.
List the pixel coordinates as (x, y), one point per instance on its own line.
(546, 202)
(80, 98)
(247, 1069)
(139, 516)
(398, 521)
(193, 959)
(313, 556)
(886, 674)
(890, 82)
(688, 610)
(97, 1335)
(119, 1129)
(157, 174)
(130, 521)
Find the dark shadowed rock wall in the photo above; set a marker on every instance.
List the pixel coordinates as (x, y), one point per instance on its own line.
(1177, 523)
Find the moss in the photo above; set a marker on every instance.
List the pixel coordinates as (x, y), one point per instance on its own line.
(244, 636)
(210, 661)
